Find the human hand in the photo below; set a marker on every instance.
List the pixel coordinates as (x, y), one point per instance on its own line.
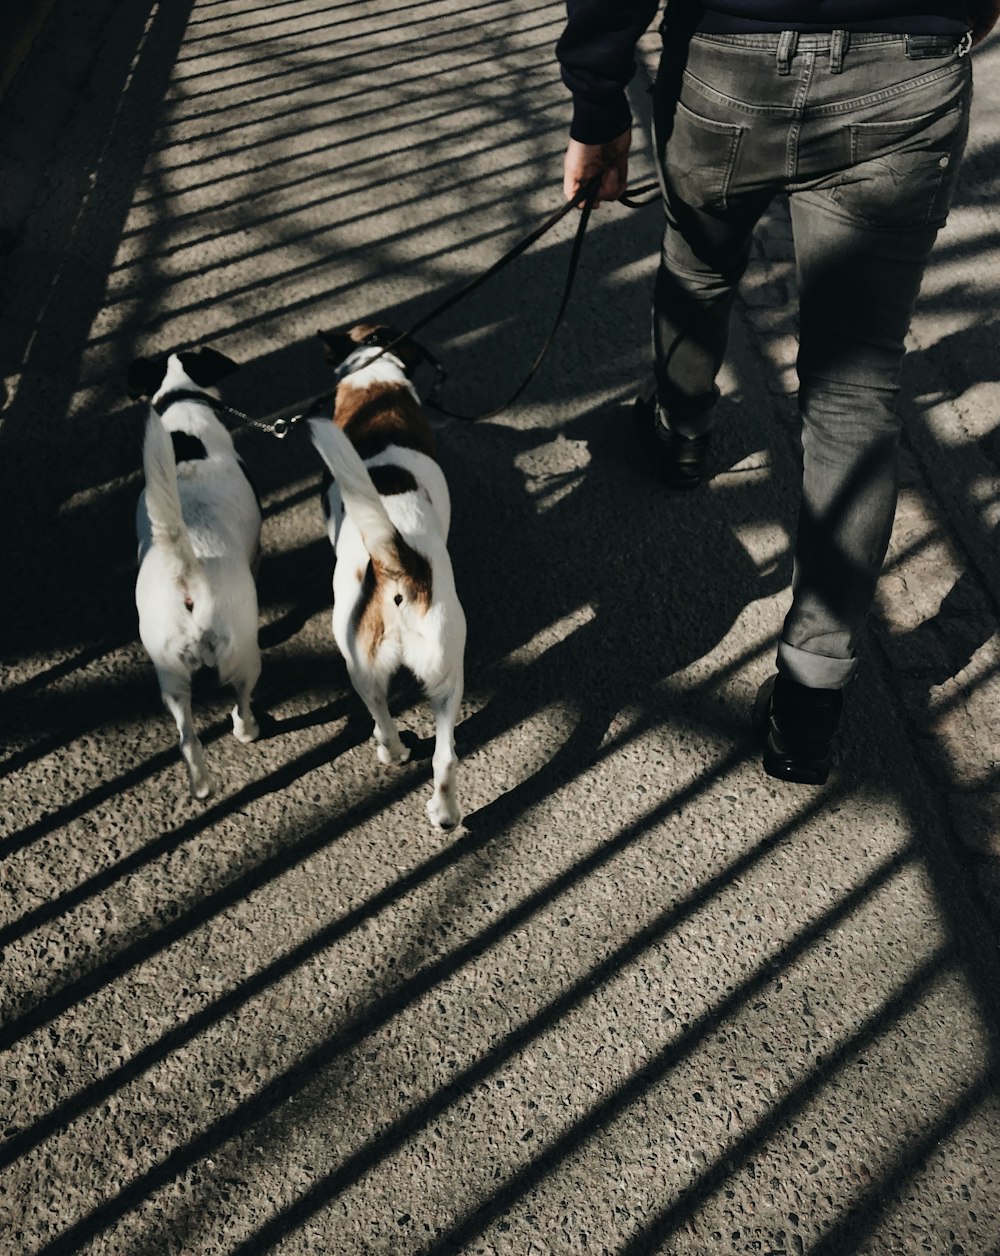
(610, 160)
(982, 16)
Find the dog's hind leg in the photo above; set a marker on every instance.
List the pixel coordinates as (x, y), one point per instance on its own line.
(442, 807)
(372, 692)
(245, 726)
(175, 690)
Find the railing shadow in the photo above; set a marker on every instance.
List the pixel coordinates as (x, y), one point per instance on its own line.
(645, 589)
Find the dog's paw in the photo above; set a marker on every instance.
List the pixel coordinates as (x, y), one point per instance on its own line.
(392, 755)
(443, 811)
(245, 731)
(201, 786)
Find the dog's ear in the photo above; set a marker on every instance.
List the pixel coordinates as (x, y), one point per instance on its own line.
(383, 334)
(371, 334)
(145, 376)
(336, 345)
(207, 366)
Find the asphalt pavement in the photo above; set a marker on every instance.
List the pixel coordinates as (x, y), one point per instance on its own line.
(645, 999)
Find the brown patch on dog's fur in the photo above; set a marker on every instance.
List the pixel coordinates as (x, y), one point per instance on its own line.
(411, 570)
(375, 418)
(388, 414)
(369, 624)
(417, 575)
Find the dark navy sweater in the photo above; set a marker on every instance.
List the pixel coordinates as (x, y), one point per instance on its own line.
(597, 48)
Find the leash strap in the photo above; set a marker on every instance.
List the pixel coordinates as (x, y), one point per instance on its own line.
(641, 196)
(279, 428)
(584, 198)
(574, 260)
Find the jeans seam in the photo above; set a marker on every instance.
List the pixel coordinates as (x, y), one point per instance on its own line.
(795, 129)
(897, 91)
(734, 145)
(730, 102)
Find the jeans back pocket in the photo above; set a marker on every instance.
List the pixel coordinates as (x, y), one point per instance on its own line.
(697, 156)
(903, 170)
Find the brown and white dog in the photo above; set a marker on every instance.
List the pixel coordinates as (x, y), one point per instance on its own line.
(388, 513)
(198, 522)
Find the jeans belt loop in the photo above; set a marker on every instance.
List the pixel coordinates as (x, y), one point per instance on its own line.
(839, 43)
(787, 43)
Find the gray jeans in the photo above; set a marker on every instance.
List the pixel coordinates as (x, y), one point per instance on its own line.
(864, 133)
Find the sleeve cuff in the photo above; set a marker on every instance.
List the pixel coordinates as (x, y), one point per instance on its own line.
(597, 123)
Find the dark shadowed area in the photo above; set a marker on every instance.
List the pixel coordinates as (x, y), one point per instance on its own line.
(645, 999)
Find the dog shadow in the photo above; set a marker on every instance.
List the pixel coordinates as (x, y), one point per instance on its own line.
(661, 577)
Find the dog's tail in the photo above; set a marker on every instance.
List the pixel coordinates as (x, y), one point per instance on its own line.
(360, 497)
(163, 503)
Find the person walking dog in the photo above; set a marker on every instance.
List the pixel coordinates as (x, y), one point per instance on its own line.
(858, 111)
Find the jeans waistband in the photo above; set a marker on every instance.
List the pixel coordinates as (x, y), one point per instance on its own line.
(786, 44)
(822, 41)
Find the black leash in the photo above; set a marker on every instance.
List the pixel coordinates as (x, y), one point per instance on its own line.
(584, 198)
(631, 196)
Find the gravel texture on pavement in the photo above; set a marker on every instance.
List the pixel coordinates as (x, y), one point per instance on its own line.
(645, 999)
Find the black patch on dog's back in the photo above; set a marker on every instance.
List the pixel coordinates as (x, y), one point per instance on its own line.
(390, 480)
(187, 448)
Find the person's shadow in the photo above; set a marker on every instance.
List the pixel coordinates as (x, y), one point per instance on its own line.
(944, 644)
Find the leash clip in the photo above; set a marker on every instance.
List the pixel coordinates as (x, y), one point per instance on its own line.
(285, 424)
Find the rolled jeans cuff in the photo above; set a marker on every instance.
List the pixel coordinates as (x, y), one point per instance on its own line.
(816, 671)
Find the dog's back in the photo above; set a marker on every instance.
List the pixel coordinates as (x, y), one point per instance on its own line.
(198, 525)
(394, 593)
(198, 522)
(388, 511)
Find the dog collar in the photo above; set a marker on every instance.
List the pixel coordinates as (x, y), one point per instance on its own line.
(182, 394)
(360, 358)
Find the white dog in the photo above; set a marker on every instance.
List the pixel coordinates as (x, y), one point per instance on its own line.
(388, 512)
(198, 522)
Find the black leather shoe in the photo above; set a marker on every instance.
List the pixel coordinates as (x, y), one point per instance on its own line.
(681, 460)
(799, 724)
